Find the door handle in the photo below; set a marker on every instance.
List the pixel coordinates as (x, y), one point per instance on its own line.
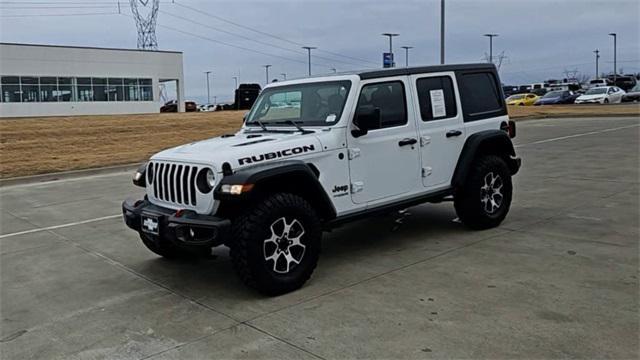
(454, 133)
(407, 141)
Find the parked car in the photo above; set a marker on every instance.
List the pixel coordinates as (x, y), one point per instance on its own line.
(623, 81)
(509, 90)
(522, 99)
(557, 97)
(599, 83)
(207, 108)
(540, 91)
(601, 95)
(632, 95)
(172, 106)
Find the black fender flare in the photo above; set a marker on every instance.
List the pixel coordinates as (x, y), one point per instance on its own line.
(485, 142)
(293, 176)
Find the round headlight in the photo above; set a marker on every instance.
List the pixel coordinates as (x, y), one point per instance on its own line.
(205, 180)
(211, 180)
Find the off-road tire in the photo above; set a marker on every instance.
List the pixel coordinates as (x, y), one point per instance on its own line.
(168, 250)
(468, 200)
(251, 229)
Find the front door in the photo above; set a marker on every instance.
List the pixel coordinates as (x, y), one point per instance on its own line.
(385, 163)
(440, 125)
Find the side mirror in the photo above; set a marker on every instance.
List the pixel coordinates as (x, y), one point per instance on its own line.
(366, 119)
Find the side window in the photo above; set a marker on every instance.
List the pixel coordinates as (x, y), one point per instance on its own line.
(480, 96)
(389, 97)
(437, 98)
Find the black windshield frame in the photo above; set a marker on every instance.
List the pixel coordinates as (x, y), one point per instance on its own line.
(302, 119)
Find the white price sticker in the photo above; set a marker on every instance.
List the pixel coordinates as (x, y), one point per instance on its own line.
(438, 108)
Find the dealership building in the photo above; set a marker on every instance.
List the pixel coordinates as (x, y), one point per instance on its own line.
(47, 80)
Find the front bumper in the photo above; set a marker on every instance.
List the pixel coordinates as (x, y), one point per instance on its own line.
(188, 229)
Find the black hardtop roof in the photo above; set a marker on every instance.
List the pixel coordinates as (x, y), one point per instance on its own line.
(372, 74)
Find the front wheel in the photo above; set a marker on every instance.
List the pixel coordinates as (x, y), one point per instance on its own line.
(276, 244)
(484, 200)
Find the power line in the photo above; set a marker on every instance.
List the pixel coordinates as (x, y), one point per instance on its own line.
(244, 37)
(56, 15)
(265, 33)
(225, 43)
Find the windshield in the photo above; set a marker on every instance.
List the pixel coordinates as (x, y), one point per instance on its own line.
(595, 91)
(312, 104)
(515, 97)
(553, 94)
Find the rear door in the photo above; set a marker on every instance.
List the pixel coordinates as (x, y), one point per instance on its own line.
(440, 126)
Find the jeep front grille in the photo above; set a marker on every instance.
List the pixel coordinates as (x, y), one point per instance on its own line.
(174, 183)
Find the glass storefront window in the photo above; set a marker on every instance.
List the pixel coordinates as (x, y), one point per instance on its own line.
(67, 89)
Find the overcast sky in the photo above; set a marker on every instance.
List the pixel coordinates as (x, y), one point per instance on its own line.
(540, 38)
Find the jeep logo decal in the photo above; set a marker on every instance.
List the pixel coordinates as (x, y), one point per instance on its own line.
(340, 188)
(276, 155)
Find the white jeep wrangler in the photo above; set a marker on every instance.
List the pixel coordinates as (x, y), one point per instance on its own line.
(319, 152)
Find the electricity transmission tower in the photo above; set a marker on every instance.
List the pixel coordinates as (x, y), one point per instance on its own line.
(497, 60)
(146, 15)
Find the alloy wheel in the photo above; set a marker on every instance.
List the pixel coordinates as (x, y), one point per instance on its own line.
(284, 249)
(491, 193)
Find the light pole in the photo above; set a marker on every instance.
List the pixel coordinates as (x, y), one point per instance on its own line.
(615, 51)
(391, 36)
(490, 36)
(208, 87)
(309, 48)
(266, 68)
(442, 32)
(284, 76)
(406, 54)
(597, 52)
(235, 94)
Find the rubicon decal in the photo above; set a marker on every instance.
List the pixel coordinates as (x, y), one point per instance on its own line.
(276, 154)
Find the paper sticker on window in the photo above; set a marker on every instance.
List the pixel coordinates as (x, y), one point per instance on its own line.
(437, 103)
(331, 118)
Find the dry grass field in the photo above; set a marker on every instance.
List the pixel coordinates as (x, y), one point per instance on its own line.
(45, 145)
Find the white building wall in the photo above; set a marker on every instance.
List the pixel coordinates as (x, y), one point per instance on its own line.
(62, 61)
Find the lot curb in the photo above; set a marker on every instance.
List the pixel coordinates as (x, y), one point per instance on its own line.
(64, 175)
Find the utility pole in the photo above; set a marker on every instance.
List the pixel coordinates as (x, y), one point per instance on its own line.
(490, 36)
(442, 32)
(266, 68)
(208, 87)
(284, 76)
(391, 36)
(309, 48)
(615, 60)
(215, 100)
(406, 54)
(597, 52)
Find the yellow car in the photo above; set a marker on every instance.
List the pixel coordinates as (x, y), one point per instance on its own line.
(522, 99)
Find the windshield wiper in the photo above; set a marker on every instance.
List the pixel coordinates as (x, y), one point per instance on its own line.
(260, 124)
(294, 124)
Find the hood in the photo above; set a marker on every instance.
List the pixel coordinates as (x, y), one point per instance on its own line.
(592, 97)
(243, 149)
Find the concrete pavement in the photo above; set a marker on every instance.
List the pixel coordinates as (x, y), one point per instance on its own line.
(558, 279)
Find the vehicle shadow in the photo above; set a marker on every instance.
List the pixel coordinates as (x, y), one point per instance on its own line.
(350, 254)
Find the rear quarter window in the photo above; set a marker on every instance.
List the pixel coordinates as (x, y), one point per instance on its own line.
(480, 96)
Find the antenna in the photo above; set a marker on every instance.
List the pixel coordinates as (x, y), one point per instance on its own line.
(146, 22)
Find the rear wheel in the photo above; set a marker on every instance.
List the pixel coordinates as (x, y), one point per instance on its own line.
(276, 244)
(484, 200)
